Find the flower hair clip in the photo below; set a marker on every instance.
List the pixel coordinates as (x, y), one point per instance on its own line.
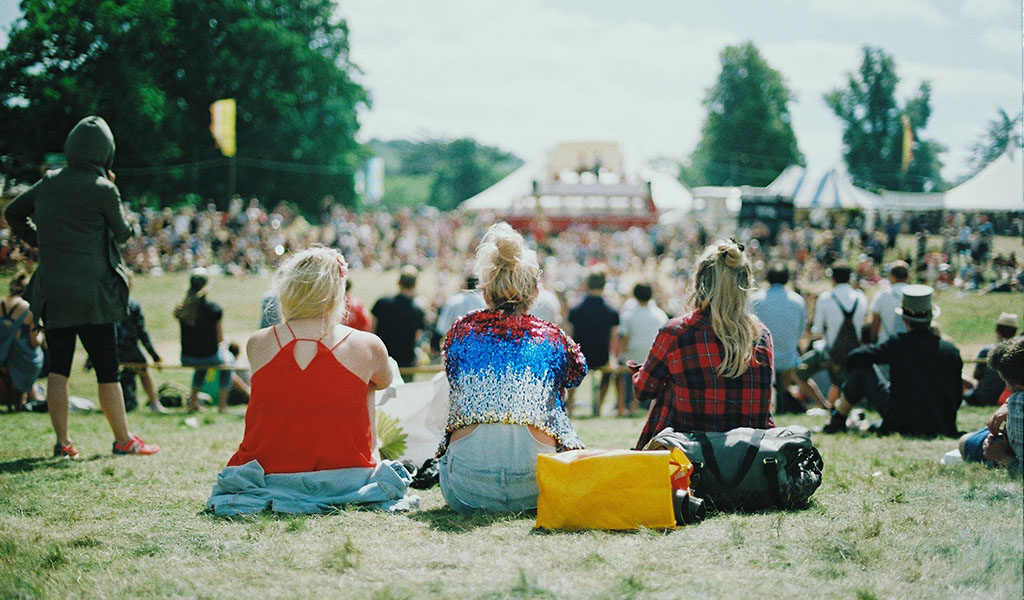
(342, 267)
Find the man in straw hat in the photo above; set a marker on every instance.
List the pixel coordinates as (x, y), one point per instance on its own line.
(990, 386)
(923, 393)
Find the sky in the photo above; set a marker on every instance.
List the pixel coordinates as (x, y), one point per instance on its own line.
(524, 75)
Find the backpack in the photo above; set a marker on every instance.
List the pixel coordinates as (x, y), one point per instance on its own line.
(847, 339)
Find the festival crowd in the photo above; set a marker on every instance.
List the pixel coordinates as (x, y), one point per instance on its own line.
(518, 322)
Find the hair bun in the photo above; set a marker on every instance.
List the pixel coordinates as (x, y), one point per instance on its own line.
(509, 250)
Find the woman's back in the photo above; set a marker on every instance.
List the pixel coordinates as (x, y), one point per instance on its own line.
(681, 375)
(511, 369)
(199, 337)
(308, 411)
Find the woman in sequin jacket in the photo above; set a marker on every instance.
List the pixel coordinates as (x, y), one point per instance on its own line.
(508, 372)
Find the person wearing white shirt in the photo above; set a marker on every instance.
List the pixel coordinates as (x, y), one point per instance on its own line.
(884, 322)
(828, 319)
(638, 327)
(459, 304)
(547, 307)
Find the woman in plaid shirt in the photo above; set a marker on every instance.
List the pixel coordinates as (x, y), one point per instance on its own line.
(710, 370)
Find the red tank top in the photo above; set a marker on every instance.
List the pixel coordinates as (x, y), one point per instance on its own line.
(311, 419)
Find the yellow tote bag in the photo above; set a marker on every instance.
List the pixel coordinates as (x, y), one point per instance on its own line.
(608, 489)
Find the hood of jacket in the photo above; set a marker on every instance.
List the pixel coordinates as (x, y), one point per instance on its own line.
(90, 145)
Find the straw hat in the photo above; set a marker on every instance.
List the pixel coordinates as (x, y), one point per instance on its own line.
(1007, 320)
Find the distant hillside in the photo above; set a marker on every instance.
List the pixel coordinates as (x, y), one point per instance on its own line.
(439, 172)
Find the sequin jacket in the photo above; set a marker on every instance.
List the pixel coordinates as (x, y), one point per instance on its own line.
(511, 369)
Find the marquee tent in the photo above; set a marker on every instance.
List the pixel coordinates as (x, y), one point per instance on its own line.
(666, 191)
(832, 189)
(999, 186)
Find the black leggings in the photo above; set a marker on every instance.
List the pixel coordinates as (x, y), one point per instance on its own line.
(100, 344)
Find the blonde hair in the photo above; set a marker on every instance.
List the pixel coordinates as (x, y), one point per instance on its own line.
(722, 286)
(311, 284)
(508, 271)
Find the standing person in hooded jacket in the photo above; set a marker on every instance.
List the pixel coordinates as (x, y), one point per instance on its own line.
(80, 287)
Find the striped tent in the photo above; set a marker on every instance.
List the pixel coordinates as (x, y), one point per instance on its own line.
(830, 190)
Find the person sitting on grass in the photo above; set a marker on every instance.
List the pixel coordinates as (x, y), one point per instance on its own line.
(19, 343)
(710, 370)
(309, 442)
(922, 395)
(1001, 443)
(508, 372)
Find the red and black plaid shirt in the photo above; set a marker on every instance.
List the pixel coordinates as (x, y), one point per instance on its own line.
(686, 392)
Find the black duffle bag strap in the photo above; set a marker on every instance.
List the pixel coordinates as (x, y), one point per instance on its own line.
(771, 474)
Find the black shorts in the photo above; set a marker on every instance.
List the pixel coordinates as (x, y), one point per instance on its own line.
(99, 342)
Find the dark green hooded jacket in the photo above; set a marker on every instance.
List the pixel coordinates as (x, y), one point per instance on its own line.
(76, 211)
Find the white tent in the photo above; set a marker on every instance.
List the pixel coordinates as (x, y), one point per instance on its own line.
(999, 186)
(832, 189)
(503, 194)
(666, 191)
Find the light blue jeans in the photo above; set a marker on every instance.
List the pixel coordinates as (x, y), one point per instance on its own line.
(222, 357)
(494, 468)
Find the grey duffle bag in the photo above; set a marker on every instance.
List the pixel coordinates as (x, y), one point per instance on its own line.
(748, 469)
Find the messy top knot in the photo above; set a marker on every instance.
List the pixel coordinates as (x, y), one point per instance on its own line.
(508, 270)
(508, 251)
(722, 286)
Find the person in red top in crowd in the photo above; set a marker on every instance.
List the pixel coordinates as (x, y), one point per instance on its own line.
(710, 370)
(357, 316)
(312, 403)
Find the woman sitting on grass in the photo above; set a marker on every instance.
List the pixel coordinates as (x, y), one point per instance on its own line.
(508, 372)
(309, 442)
(710, 370)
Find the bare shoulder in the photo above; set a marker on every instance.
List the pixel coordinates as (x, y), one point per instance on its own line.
(261, 347)
(367, 344)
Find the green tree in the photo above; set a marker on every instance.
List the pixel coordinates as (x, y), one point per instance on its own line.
(873, 130)
(439, 172)
(748, 136)
(152, 68)
(1000, 133)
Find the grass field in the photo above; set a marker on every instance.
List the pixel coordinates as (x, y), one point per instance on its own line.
(888, 522)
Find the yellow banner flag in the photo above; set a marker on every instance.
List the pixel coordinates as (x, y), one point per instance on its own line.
(222, 125)
(908, 143)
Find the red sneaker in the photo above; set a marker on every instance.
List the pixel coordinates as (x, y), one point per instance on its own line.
(68, 451)
(135, 445)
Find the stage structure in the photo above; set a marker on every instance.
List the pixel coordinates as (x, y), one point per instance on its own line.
(582, 183)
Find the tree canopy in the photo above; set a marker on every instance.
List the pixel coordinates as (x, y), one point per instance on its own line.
(152, 68)
(873, 128)
(748, 136)
(1000, 133)
(440, 172)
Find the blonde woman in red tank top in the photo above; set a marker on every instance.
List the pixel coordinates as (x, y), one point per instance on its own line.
(313, 382)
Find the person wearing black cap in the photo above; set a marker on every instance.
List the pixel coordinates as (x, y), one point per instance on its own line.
(923, 393)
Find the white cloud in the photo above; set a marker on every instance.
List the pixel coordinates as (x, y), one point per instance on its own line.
(911, 11)
(526, 75)
(1002, 39)
(990, 10)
